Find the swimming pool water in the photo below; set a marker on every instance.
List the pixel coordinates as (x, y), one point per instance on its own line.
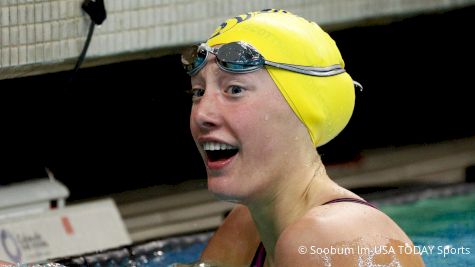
(447, 224)
(160, 253)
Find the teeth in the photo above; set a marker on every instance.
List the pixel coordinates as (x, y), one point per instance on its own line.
(217, 146)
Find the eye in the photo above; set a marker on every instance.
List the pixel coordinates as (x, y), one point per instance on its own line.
(196, 93)
(234, 90)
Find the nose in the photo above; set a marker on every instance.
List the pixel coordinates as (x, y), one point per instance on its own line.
(204, 112)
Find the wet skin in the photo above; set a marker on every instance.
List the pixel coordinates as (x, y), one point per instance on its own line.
(278, 179)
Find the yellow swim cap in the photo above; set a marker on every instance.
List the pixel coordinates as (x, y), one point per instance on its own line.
(323, 104)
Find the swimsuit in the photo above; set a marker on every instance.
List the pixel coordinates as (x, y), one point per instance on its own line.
(260, 256)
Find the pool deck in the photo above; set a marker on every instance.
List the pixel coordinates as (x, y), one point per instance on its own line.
(162, 211)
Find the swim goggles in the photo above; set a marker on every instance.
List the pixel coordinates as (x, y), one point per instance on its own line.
(240, 57)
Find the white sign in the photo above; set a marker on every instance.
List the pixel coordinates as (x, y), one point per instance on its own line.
(73, 230)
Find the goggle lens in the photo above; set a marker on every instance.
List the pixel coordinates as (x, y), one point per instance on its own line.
(193, 59)
(236, 57)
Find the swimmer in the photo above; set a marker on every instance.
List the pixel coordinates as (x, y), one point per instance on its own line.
(268, 88)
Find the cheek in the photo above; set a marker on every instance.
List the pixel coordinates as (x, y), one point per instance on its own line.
(193, 127)
(276, 130)
(261, 125)
(193, 124)
(193, 133)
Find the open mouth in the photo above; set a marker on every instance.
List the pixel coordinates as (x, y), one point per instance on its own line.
(219, 151)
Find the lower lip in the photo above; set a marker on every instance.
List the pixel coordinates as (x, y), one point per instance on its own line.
(219, 164)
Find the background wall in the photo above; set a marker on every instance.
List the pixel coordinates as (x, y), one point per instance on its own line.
(126, 124)
(40, 36)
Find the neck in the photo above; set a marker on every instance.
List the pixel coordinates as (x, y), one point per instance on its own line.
(288, 202)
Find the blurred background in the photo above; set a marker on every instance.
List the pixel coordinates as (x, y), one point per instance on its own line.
(124, 126)
(119, 126)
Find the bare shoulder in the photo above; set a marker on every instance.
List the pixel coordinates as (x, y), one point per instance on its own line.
(343, 234)
(235, 241)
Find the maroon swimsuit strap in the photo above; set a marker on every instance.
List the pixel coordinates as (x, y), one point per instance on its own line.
(259, 257)
(349, 199)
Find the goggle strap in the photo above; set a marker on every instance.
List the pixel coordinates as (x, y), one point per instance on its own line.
(358, 85)
(308, 70)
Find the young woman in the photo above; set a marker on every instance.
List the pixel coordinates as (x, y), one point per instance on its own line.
(268, 88)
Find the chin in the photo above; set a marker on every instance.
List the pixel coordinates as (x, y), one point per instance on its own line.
(225, 191)
(228, 198)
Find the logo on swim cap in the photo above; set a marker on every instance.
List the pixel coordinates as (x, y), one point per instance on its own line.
(230, 23)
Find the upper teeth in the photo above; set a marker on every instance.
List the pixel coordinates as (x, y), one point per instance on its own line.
(217, 146)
